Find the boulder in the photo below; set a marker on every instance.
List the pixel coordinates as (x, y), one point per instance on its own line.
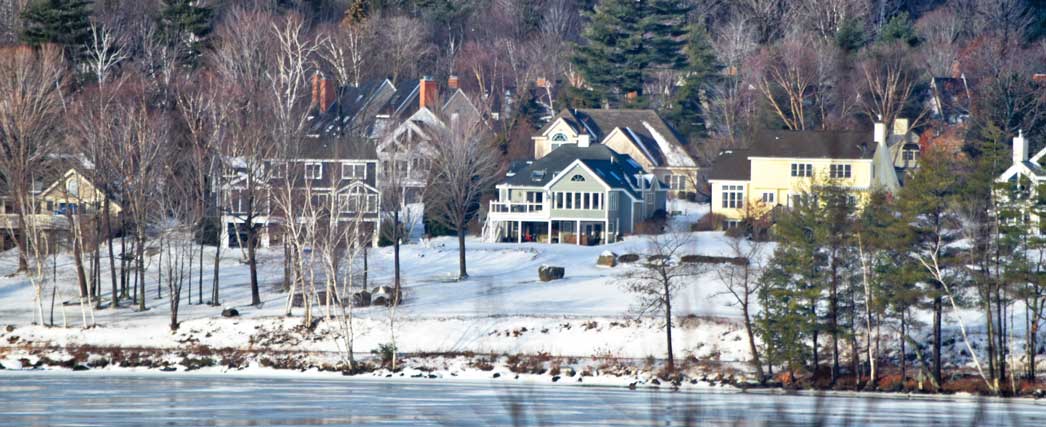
(628, 258)
(361, 299)
(607, 259)
(230, 312)
(548, 273)
(382, 295)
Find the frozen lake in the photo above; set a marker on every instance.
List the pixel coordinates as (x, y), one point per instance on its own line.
(96, 399)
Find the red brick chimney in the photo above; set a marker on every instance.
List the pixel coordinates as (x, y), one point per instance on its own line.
(326, 94)
(428, 94)
(322, 92)
(452, 82)
(317, 80)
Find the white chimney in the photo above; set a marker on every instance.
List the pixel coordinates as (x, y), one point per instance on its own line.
(1020, 147)
(900, 126)
(880, 132)
(584, 140)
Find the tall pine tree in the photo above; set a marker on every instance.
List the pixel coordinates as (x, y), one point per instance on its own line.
(626, 40)
(186, 24)
(61, 22)
(613, 60)
(686, 111)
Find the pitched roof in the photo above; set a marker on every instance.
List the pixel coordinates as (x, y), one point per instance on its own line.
(813, 144)
(616, 170)
(731, 165)
(645, 128)
(333, 148)
(353, 110)
(949, 98)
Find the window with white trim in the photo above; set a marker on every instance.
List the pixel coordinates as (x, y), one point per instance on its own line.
(353, 171)
(768, 197)
(577, 178)
(802, 169)
(278, 170)
(313, 170)
(839, 171)
(733, 196)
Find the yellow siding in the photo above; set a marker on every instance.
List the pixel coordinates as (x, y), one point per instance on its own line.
(86, 192)
(773, 175)
(620, 143)
(543, 143)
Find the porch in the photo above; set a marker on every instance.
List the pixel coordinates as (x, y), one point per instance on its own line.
(577, 232)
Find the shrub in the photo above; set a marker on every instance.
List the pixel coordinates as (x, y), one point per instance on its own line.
(386, 352)
(710, 222)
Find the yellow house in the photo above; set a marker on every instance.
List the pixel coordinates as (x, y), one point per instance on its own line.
(639, 134)
(73, 193)
(57, 195)
(781, 165)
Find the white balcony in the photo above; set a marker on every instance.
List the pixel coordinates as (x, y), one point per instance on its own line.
(501, 210)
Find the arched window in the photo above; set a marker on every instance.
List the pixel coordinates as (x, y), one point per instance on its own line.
(577, 178)
(559, 137)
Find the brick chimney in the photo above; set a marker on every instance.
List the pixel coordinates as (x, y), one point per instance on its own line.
(428, 94)
(322, 92)
(452, 83)
(317, 79)
(326, 94)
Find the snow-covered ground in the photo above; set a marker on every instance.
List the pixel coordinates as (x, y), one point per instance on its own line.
(502, 308)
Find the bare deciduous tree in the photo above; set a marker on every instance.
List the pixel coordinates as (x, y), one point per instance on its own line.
(463, 169)
(347, 48)
(888, 84)
(741, 278)
(786, 75)
(31, 81)
(656, 280)
(405, 45)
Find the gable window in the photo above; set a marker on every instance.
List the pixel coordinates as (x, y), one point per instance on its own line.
(313, 170)
(839, 171)
(768, 197)
(802, 169)
(72, 186)
(733, 196)
(559, 137)
(353, 171)
(577, 178)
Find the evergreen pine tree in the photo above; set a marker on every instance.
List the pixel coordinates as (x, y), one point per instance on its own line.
(927, 201)
(626, 41)
(187, 24)
(686, 111)
(614, 57)
(664, 25)
(792, 287)
(62, 22)
(899, 29)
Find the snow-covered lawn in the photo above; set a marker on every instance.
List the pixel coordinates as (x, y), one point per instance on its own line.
(501, 308)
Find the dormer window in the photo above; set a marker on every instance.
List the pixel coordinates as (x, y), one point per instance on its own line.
(577, 178)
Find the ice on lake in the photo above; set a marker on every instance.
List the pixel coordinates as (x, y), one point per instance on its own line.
(94, 399)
